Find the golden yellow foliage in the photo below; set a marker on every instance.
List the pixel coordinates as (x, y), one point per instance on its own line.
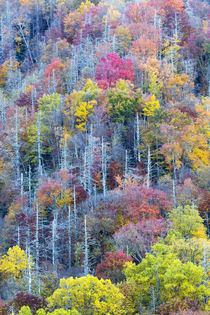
(5, 68)
(82, 112)
(13, 263)
(150, 106)
(65, 199)
(88, 295)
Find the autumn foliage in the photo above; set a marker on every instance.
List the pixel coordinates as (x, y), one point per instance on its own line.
(104, 157)
(112, 68)
(112, 265)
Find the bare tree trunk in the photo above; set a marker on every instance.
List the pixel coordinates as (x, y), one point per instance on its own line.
(29, 270)
(140, 307)
(138, 137)
(26, 43)
(86, 265)
(18, 236)
(39, 144)
(65, 155)
(84, 170)
(126, 162)
(29, 186)
(69, 230)
(205, 271)
(90, 161)
(148, 167)
(75, 216)
(16, 145)
(37, 238)
(104, 169)
(158, 287)
(21, 185)
(174, 185)
(53, 241)
(153, 300)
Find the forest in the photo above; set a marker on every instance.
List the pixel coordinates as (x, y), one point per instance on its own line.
(104, 157)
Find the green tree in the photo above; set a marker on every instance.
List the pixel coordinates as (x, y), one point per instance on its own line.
(164, 274)
(123, 102)
(186, 222)
(49, 118)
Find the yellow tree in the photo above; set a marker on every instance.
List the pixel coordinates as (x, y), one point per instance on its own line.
(25, 310)
(80, 105)
(83, 111)
(88, 295)
(13, 263)
(150, 106)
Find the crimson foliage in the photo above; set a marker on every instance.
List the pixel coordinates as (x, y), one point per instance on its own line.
(112, 68)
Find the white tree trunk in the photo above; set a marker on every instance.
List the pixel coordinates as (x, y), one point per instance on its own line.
(65, 155)
(17, 145)
(174, 185)
(29, 185)
(84, 170)
(21, 185)
(75, 215)
(90, 160)
(29, 270)
(148, 167)
(39, 144)
(104, 168)
(69, 230)
(126, 162)
(138, 137)
(18, 236)
(53, 241)
(37, 238)
(86, 265)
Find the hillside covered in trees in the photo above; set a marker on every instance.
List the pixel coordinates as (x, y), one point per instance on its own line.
(104, 154)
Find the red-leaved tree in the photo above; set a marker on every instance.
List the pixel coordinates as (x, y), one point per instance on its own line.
(26, 299)
(112, 265)
(138, 238)
(112, 68)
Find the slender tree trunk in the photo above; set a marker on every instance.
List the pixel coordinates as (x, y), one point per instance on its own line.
(205, 271)
(158, 287)
(126, 162)
(86, 265)
(84, 170)
(29, 270)
(53, 241)
(17, 145)
(21, 185)
(65, 155)
(148, 167)
(153, 300)
(90, 161)
(39, 144)
(18, 236)
(138, 137)
(104, 162)
(26, 43)
(69, 229)
(140, 307)
(174, 185)
(29, 186)
(75, 216)
(37, 238)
